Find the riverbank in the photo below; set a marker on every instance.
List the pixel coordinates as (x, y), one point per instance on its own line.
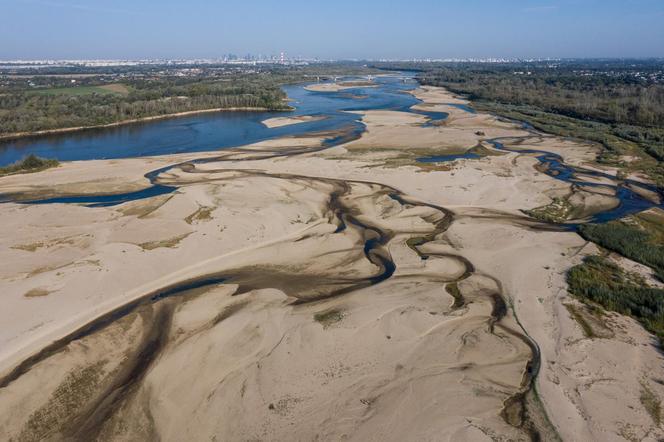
(345, 284)
(19, 135)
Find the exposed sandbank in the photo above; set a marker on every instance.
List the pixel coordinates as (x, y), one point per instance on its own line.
(287, 121)
(291, 223)
(340, 86)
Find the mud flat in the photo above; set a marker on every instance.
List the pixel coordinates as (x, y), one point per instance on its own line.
(290, 290)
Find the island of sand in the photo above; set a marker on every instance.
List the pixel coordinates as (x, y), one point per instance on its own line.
(338, 86)
(287, 121)
(289, 290)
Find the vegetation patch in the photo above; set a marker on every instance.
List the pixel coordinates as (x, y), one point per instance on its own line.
(37, 103)
(638, 238)
(33, 247)
(651, 403)
(358, 83)
(598, 280)
(591, 320)
(117, 88)
(168, 243)
(558, 211)
(646, 159)
(67, 399)
(144, 208)
(36, 293)
(202, 214)
(329, 317)
(652, 221)
(578, 317)
(80, 90)
(624, 115)
(29, 164)
(481, 150)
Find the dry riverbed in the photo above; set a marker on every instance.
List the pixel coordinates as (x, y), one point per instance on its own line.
(289, 291)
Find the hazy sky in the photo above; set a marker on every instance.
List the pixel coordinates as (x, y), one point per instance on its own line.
(32, 29)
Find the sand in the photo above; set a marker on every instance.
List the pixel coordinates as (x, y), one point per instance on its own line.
(287, 121)
(338, 293)
(338, 86)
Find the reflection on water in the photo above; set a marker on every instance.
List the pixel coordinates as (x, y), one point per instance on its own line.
(205, 132)
(453, 157)
(630, 202)
(213, 131)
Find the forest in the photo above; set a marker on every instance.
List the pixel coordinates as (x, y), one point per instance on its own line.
(78, 97)
(616, 103)
(28, 111)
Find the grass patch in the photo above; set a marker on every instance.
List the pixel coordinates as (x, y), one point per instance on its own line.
(202, 214)
(557, 211)
(638, 238)
(481, 150)
(652, 221)
(36, 293)
(144, 208)
(168, 243)
(31, 163)
(600, 281)
(32, 247)
(618, 140)
(590, 319)
(117, 88)
(578, 317)
(330, 317)
(112, 89)
(358, 83)
(651, 403)
(68, 398)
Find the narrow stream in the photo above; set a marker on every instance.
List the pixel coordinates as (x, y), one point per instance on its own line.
(630, 202)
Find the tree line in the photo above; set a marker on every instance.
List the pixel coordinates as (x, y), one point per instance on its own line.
(28, 111)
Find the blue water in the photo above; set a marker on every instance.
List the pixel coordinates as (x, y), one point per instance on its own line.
(205, 132)
(463, 107)
(630, 202)
(444, 158)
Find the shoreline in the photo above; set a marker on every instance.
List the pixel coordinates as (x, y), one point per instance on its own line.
(20, 135)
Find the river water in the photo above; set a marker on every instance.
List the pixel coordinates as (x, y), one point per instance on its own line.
(208, 132)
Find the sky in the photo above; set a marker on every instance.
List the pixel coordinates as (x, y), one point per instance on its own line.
(331, 29)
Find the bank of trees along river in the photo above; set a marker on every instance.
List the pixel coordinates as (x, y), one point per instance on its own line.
(96, 97)
(618, 104)
(28, 111)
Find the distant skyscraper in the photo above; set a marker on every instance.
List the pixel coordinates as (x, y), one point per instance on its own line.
(282, 57)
